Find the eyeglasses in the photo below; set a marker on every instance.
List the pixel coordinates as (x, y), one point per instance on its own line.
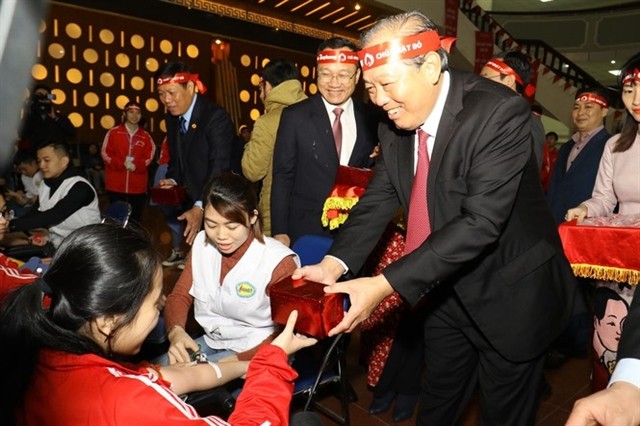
(8, 215)
(326, 77)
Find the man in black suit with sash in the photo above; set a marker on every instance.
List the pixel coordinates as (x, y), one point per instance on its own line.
(307, 155)
(483, 256)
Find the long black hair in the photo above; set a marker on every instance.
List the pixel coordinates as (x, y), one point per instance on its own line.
(630, 127)
(98, 270)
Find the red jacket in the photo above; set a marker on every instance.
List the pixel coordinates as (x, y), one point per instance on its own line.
(10, 277)
(117, 146)
(87, 389)
(164, 152)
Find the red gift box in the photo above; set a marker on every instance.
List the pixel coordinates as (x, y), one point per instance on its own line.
(318, 312)
(169, 195)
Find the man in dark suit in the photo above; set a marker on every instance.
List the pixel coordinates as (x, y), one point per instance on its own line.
(497, 285)
(200, 136)
(574, 173)
(619, 404)
(306, 155)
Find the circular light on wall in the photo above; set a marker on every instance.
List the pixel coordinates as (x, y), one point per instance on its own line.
(255, 79)
(43, 27)
(151, 64)
(73, 30)
(90, 56)
(121, 101)
(56, 50)
(107, 122)
(265, 61)
(152, 105)
(76, 119)
(39, 72)
(74, 75)
(107, 79)
(254, 114)
(122, 59)
(106, 36)
(137, 41)
(245, 60)
(245, 96)
(192, 51)
(304, 71)
(137, 83)
(313, 89)
(91, 99)
(61, 97)
(166, 46)
(163, 126)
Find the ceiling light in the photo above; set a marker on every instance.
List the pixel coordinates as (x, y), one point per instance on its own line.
(613, 61)
(614, 72)
(545, 1)
(357, 6)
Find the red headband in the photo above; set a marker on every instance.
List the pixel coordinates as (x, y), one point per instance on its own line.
(501, 67)
(403, 48)
(329, 56)
(633, 76)
(182, 77)
(593, 98)
(132, 107)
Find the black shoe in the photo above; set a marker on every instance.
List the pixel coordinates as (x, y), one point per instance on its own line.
(405, 406)
(352, 396)
(382, 403)
(554, 359)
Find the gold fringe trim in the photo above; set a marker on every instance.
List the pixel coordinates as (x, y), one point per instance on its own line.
(342, 205)
(606, 273)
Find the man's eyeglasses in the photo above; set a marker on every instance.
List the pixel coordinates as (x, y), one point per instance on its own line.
(326, 77)
(7, 214)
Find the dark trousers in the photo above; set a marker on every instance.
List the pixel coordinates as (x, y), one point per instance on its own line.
(457, 358)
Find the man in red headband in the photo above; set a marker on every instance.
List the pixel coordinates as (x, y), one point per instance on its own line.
(513, 69)
(483, 259)
(576, 168)
(307, 153)
(200, 135)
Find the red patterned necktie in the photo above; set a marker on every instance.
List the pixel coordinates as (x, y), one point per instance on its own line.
(337, 130)
(418, 226)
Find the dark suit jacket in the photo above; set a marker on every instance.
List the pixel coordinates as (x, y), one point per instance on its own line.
(305, 162)
(204, 151)
(569, 188)
(492, 239)
(630, 341)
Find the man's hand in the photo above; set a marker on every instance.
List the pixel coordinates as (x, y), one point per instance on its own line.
(193, 217)
(618, 405)
(326, 272)
(180, 342)
(166, 183)
(365, 295)
(284, 239)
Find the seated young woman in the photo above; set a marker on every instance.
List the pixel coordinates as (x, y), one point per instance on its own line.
(62, 338)
(227, 278)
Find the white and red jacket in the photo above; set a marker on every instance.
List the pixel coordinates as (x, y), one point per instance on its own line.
(70, 389)
(11, 277)
(117, 146)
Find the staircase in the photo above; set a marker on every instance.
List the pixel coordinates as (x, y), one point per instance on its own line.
(558, 77)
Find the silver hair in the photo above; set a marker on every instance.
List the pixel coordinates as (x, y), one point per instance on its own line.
(405, 24)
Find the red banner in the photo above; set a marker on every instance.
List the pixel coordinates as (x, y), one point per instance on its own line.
(451, 8)
(484, 49)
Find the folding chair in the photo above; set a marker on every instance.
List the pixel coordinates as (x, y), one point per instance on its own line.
(330, 367)
(118, 212)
